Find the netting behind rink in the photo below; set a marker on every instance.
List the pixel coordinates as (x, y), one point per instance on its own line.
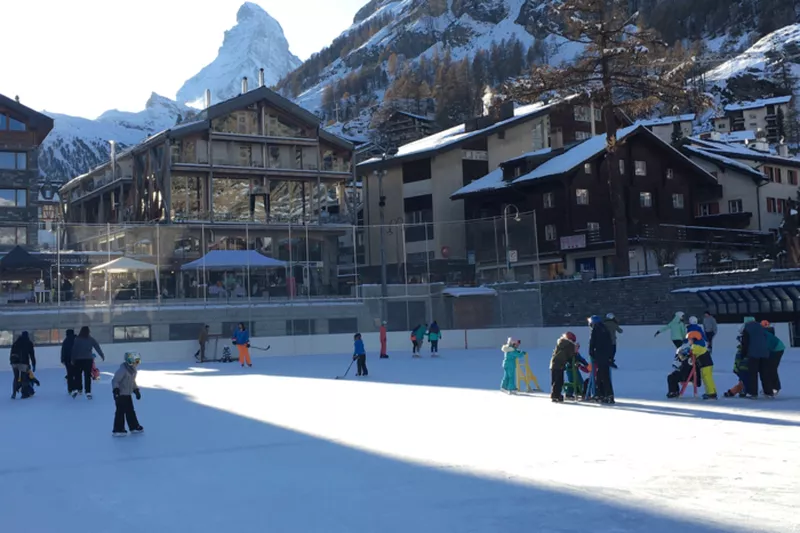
(164, 282)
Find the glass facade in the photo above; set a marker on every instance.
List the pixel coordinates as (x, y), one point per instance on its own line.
(280, 126)
(188, 198)
(231, 199)
(244, 121)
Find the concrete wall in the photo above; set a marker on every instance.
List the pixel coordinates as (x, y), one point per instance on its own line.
(736, 186)
(393, 190)
(449, 231)
(518, 140)
(541, 339)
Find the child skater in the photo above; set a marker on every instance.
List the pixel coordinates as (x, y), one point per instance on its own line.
(511, 354)
(740, 369)
(575, 384)
(705, 365)
(359, 355)
(434, 334)
(124, 385)
(565, 351)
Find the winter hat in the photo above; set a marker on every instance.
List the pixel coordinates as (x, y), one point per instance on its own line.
(610, 316)
(692, 320)
(679, 314)
(570, 336)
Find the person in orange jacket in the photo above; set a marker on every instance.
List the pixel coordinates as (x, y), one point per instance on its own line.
(384, 355)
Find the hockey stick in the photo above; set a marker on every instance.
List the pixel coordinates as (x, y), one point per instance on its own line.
(262, 349)
(346, 371)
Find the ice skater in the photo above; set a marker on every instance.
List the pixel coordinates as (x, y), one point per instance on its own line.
(23, 360)
(510, 355)
(565, 351)
(124, 386)
(740, 369)
(756, 349)
(359, 355)
(241, 339)
(417, 337)
(613, 328)
(703, 362)
(66, 359)
(694, 325)
(676, 328)
(710, 327)
(600, 350)
(83, 360)
(434, 334)
(776, 349)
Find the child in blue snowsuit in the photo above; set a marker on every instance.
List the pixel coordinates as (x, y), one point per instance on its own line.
(511, 354)
(359, 355)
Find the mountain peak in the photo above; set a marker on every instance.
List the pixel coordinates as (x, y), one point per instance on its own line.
(256, 41)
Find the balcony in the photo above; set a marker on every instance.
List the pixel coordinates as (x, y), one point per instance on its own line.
(704, 236)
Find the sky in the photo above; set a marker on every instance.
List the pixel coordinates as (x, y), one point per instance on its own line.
(84, 57)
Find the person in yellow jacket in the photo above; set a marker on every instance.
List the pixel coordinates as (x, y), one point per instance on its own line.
(705, 365)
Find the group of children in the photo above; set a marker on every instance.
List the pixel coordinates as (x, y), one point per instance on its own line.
(418, 334)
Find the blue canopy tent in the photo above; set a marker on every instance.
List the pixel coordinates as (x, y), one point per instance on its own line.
(244, 260)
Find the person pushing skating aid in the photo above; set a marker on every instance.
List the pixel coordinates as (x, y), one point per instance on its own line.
(124, 386)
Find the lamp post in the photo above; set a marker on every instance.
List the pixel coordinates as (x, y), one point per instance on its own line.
(387, 153)
(505, 225)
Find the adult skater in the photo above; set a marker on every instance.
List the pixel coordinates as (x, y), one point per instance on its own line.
(677, 329)
(384, 353)
(756, 349)
(23, 359)
(66, 359)
(82, 360)
(241, 338)
(600, 350)
(203, 340)
(613, 328)
(710, 326)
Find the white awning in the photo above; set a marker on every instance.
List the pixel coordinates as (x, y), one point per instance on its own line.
(124, 264)
(233, 260)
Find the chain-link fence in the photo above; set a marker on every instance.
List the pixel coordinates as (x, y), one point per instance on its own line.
(153, 282)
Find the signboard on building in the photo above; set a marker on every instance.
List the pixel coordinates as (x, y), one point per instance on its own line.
(475, 155)
(513, 257)
(471, 258)
(573, 242)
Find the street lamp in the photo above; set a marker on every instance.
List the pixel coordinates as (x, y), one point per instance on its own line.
(505, 225)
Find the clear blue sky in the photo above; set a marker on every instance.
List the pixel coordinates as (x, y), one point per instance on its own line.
(83, 57)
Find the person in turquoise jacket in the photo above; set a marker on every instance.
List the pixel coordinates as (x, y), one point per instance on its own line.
(434, 334)
(776, 349)
(418, 338)
(511, 354)
(677, 329)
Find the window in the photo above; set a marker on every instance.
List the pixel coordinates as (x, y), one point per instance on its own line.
(550, 232)
(720, 125)
(582, 135)
(754, 125)
(772, 205)
(587, 168)
(646, 199)
(517, 172)
(419, 217)
(301, 326)
(10, 123)
(592, 227)
(45, 337)
(582, 113)
(13, 197)
(778, 177)
(792, 177)
(781, 205)
(342, 325)
(677, 201)
(10, 236)
(753, 116)
(549, 200)
(185, 332)
(640, 168)
(598, 114)
(707, 209)
(622, 166)
(501, 135)
(582, 196)
(417, 171)
(13, 161)
(131, 333)
(735, 206)
(670, 174)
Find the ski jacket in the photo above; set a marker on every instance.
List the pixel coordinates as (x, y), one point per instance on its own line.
(434, 333)
(613, 328)
(66, 347)
(710, 324)
(418, 334)
(124, 380)
(510, 356)
(82, 348)
(600, 346)
(774, 344)
(241, 336)
(358, 347)
(22, 351)
(739, 362)
(676, 327)
(754, 340)
(698, 328)
(564, 352)
(701, 355)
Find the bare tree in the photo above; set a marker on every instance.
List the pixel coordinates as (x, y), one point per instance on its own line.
(622, 65)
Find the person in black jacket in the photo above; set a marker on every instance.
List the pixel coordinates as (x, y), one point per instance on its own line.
(66, 359)
(601, 351)
(23, 359)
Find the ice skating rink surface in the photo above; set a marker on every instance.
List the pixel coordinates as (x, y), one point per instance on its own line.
(423, 445)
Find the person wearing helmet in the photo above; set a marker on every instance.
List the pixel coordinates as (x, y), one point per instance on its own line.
(565, 351)
(600, 350)
(677, 329)
(613, 328)
(124, 386)
(510, 355)
(694, 325)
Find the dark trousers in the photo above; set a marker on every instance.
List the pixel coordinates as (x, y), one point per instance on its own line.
(757, 366)
(68, 377)
(83, 367)
(674, 381)
(556, 383)
(361, 365)
(73, 377)
(613, 352)
(435, 346)
(774, 363)
(124, 411)
(414, 347)
(710, 337)
(677, 343)
(603, 385)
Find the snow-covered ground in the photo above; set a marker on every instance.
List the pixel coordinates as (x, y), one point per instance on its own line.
(421, 445)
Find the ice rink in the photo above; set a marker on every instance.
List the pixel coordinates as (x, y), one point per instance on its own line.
(418, 446)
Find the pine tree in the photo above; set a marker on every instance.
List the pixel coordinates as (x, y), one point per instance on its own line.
(391, 65)
(621, 66)
(328, 100)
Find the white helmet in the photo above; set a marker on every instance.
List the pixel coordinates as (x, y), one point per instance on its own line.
(692, 320)
(680, 314)
(610, 316)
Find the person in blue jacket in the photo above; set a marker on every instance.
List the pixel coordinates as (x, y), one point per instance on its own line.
(755, 348)
(241, 338)
(359, 355)
(510, 355)
(694, 325)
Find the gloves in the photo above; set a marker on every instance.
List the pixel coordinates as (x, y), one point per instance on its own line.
(116, 394)
(355, 357)
(103, 358)
(656, 335)
(137, 393)
(33, 368)
(248, 344)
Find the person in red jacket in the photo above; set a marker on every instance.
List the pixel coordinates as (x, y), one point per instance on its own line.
(384, 355)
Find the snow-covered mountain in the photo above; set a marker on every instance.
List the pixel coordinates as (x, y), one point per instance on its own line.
(256, 41)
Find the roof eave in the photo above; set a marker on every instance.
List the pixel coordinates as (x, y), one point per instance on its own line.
(262, 93)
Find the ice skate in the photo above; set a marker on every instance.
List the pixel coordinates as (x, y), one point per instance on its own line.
(608, 400)
(612, 364)
(710, 396)
(249, 365)
(119, 433)
(673, 394)
(88, 395)
(74, 394)
(728, 394)
(137, 430)
(13, 395)
(559, 399)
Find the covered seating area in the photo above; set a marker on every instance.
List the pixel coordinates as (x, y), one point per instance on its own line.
(22, 277)
(126, 271)
(231, 273)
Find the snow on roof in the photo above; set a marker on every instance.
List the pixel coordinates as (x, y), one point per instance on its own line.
(413, 115)
(490, 182)
(755, 104)
(458, 292)
(738, 136)
(725, 161)
(535, 153)
(665, 121)
(742, 152)
(575, 156)
(694, 290)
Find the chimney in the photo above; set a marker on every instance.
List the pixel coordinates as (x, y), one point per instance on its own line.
(261, 77)
(244, 85)
(783, 148)
(208, 98)
(16, 98)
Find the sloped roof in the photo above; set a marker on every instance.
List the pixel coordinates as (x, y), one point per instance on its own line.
(39, 121)
(233, 259)
(665, 121)
(738, 151)
(727, 162)
(755, 104)
(19, 259)
(262, 93)
(125, 264)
